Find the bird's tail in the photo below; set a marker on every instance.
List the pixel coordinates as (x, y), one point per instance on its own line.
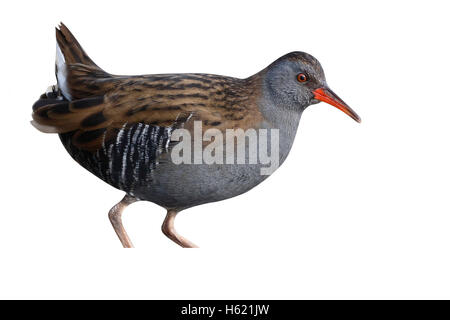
(81, 87)
(76, 73)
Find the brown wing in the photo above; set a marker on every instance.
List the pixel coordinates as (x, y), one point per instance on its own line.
(163, 101)
(99, 118)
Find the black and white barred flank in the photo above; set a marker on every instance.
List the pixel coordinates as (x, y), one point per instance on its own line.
(128, 161)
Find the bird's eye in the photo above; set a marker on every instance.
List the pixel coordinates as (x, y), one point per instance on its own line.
(301, 77)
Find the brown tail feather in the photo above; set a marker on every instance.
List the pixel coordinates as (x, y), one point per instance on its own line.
(77, 74)
(71, 49)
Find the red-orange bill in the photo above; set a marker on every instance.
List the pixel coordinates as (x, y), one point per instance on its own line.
(328, 96)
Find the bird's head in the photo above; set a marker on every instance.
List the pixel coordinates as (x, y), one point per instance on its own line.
(297, 80)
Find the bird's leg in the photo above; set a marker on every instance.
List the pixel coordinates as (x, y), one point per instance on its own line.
(168, 228)
(115, 216)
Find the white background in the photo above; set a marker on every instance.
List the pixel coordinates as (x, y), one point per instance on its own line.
(356, 211)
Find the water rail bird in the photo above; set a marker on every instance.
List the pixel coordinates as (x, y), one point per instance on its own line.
(121, 128)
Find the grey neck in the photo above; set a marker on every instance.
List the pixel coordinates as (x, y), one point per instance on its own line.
(283, 117)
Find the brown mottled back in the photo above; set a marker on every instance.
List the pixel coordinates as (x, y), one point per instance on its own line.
(100, 103)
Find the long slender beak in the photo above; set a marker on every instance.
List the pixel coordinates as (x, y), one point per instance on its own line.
(328, 96)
